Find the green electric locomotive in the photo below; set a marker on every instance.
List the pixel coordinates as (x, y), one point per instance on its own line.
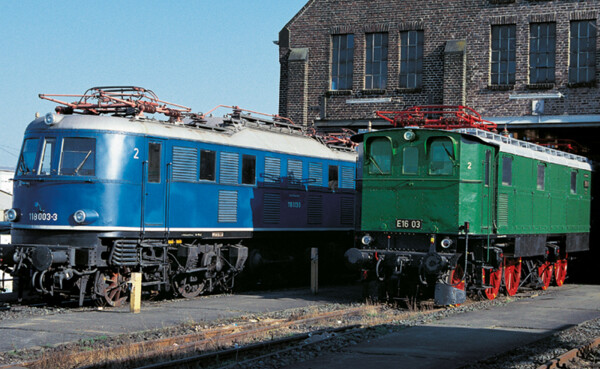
(449, 207)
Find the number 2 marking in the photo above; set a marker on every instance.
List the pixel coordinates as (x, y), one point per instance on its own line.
(469, 165)
(137, 151)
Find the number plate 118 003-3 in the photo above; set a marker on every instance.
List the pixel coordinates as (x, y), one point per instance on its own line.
(408, 223)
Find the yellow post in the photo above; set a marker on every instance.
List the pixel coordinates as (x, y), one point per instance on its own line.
(135, 299)
(314, 270)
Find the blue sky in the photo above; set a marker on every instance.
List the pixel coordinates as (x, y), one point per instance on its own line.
(195, 53)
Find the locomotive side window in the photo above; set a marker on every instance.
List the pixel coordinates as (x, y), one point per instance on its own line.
(47, 155)
(573, 182)
(380, 156)
(207, 165)
(333, 177)
(27, 159)
(78, 157)
(541, 174)
(441, 156)
(248, 169)
(410, 160)
(154, 162)
(507, 170)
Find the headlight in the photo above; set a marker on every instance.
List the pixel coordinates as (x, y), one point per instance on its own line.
(409, 135)
(52, 118)
(12, 215)
(79, 216)
(85, 216)
(446, 242)
(366, 240)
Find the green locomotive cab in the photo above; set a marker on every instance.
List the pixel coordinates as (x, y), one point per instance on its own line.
(446, 212)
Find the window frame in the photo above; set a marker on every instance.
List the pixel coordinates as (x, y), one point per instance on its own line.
(542, 52)
(578, 51)
(503, 55)
(33, 169)
(376, 57)
(62, 153)
(541, 177)
(342, 62)
(430, 152)
(154, 162)
(404, 156)
(52, 141)
(507, 170)
(573, 182)
(375, 164)
(412, 46)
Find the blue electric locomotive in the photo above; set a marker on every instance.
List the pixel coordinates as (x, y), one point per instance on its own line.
(98, 196)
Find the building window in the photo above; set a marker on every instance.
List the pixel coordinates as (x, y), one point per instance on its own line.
(504, 56)
(342, 62)
(377, 61)
(411, 59)
(542, 51)
(582, 61)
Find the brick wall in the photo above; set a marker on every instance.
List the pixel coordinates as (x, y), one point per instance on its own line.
(441, 21)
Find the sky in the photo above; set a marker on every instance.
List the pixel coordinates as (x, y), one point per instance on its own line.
(195, 53)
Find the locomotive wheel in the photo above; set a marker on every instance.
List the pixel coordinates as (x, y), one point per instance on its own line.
(495, 280)
(110, 289)
(188, 285)
(512, 276)
(545, 272)
(456, 278)
(560, 271)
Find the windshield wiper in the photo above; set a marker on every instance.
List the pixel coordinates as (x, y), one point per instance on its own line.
(83, 161)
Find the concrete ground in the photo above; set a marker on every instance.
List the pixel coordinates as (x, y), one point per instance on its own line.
(472, 336)
(54, 329)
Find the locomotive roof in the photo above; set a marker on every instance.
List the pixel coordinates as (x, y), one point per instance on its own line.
(239, 136)
(513, 146)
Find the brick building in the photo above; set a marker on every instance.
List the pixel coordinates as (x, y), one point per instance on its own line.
(531, 65)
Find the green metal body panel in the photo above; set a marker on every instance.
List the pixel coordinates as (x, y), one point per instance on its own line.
(393, 200)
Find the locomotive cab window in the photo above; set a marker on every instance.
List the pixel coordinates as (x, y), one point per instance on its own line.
(27, 158)
(207, 165)
(573, 182)
(380, 156)
(410, 160)
(248, 169)
(441, 156)
(507, 170)
(47, 157)
(78, 157)
(486, 167)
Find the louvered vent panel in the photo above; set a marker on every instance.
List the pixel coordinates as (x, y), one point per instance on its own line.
(315, 174)
(272, 171)
(315, 209)
(272, 208)
(347, 178)
(228, 206)
(347, 210)
(185, 164)
(229, 168)
(294, 172)
(502, 210)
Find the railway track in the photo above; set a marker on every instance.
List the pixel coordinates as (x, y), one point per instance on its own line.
(213, 343)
